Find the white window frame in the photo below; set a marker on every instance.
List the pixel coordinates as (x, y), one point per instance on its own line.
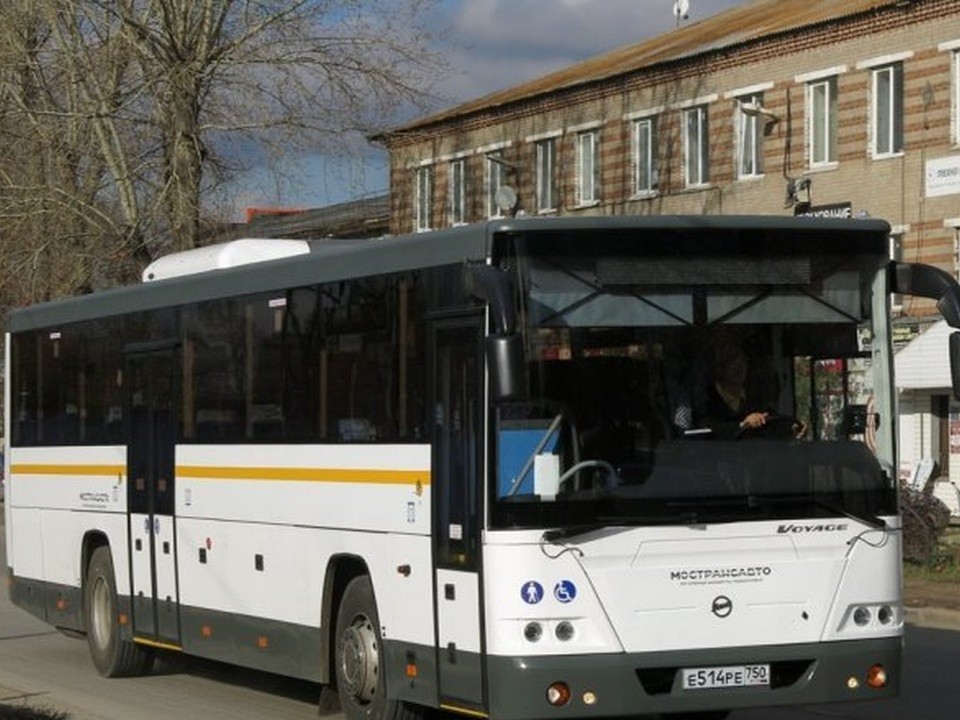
(953, 47)
(495, 176)
(546, 159)
(749, 138)
(423, 209)
(888, 141)
(696, 146)
(824, 127)
(646, 180)
(588, 167)
(457, 186)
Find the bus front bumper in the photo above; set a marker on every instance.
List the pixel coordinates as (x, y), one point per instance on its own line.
(634, 684)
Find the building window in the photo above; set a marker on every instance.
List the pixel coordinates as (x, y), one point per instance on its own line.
(822, 121)
(956, 250)
(645, 149)
(423, 220)
(887, 130)
(749, 141)
(546, 175)
(588, 167)
(696, 146)
(458, 192)
(896, 254)
(956, 97)
(496, 173)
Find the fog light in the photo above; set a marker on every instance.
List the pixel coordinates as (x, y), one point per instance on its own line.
(564, 631)
(861, 616)
(877, 677)
(589, 697)
(885, 615)
(533, 631)
(558, 694)
(853, 683)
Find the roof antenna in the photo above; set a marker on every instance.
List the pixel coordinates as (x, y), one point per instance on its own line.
(681, 10)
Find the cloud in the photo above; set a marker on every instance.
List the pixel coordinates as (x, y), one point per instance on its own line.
(500, 43)
(490, 45)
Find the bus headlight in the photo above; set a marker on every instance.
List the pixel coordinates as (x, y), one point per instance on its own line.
(533, 631)
(564, 631)
(873, 616)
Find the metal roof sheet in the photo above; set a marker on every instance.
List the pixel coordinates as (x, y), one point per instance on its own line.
(751, 21)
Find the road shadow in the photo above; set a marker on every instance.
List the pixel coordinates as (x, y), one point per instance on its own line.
(25, 712)
(291, 688)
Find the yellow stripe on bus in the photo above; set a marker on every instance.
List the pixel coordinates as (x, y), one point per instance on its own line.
(46, 469)
(155, 644)
(463, 710)
(209, 472)
(380, 477)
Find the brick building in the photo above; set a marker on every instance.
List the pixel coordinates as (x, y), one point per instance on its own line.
(848, 107)
(845, 105)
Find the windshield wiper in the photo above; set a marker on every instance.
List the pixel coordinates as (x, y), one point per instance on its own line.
(873, 521)
(759, 501)
(610, 522)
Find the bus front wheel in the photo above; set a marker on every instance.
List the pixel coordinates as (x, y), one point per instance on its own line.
(359, 659)
(112, 655)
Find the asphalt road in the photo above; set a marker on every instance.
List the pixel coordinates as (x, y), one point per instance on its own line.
(41, 667)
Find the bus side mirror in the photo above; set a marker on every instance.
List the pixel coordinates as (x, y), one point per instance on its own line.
(955, 363)
(506, 367)
(930, 282)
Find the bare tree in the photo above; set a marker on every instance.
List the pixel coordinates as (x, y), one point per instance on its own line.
(119, 115)
(56, 214)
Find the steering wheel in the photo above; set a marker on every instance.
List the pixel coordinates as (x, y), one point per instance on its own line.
(610, 476)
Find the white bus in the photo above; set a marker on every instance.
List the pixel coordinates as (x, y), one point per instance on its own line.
(478, 469)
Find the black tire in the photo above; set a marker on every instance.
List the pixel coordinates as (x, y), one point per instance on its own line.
(357, 656)
(112, 655)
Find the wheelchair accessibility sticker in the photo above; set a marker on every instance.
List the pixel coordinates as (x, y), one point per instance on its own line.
(565, 591)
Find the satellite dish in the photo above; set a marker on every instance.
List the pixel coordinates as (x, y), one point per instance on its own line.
(681, 9)
(506, 198)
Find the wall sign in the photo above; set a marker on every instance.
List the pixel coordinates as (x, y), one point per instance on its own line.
(943, 176)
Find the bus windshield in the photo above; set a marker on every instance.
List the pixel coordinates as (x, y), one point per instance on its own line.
(676, 380)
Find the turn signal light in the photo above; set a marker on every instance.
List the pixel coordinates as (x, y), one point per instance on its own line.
(877, 677)
(558, 694)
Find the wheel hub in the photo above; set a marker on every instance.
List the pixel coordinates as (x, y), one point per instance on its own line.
(101, 612)
(360, 660)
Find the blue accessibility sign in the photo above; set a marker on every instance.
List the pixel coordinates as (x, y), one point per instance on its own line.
(565, 591)
(531, 592)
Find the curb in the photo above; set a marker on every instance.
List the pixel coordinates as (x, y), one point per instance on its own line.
(933, 617)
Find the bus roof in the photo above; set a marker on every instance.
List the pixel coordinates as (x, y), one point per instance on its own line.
(334, 259)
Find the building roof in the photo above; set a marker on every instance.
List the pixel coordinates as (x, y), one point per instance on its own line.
(366, 217)
(753, 20)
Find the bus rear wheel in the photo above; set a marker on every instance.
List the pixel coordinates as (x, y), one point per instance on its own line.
(358, 659)
(111, 654)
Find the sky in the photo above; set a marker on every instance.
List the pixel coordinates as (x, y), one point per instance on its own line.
(489, 45)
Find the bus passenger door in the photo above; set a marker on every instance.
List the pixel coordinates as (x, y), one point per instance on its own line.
(458, 440)
(151, 408)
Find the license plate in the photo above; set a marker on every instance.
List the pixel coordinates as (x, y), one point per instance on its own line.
(728, 676)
